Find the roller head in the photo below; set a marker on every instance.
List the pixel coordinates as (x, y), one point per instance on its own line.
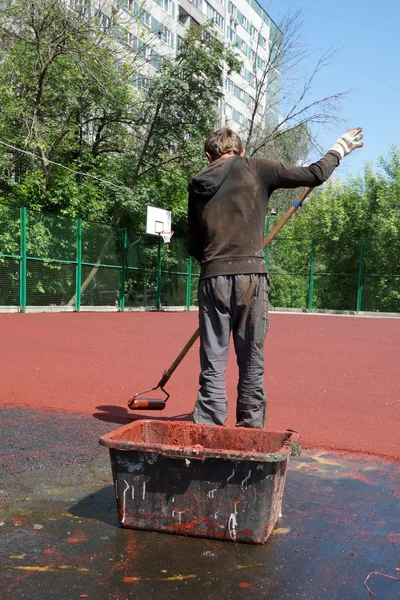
(136, 403)
(143, 404)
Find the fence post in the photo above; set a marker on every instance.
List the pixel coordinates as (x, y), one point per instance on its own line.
(22, 264)
(123, 270)
(158, 290)
(78, 272)
(311, 276)
(189, 283)
(360, 276)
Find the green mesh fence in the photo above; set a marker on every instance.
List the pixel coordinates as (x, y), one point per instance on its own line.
(101, 244)
(175, 274)
(288, 264)
(49, 283)
(48, 260)
(381, 293)
(288, 290)
(141, 274)
(9, 255)
(51, 253)
(9, 230)
(9, 282)
(173, 289)
(103, 289)
(335, 291)
(50, 237)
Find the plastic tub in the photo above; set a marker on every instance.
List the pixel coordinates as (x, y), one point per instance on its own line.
(199, 480)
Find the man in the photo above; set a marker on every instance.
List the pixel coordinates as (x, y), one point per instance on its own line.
(227, 210)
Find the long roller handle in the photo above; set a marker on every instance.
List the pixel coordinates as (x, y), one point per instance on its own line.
(287, 216)
(167, 374)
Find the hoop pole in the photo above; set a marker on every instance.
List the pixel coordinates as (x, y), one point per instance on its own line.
(158, 290)
(123, 270)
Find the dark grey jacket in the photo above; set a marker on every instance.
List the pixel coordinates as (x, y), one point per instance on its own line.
(228, 204)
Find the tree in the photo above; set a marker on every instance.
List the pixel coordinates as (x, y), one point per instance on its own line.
(65, 97)
(283, 105)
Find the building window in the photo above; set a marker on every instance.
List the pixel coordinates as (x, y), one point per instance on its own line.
(155, 59)
(198, 4)
(228, 111)
(81, 6)
(214, 15)
(260, 63)
(179, 41)
(251, 55)
(146, 19)
(165, 35)
(166, 5)
(245, 22)
(231, 34)
(104, 21)
(131, 40)
(238, 117)
(262, 41)
(140, 82)
(252, 31)
(248, 76)
(219, 21)
(232, 10)
(229, 85)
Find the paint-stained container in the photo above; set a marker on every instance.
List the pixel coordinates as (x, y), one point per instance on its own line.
(199, 480)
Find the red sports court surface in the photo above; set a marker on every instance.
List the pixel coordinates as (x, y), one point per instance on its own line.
(334, 379)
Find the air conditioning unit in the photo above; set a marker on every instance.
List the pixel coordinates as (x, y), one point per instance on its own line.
(236, 22)
(231, 18)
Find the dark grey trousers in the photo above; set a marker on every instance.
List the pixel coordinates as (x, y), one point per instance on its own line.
(237, 303)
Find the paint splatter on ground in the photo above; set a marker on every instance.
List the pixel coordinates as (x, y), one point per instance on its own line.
(339, 524)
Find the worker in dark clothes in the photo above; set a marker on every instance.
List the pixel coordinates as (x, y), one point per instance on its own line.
(227, 210)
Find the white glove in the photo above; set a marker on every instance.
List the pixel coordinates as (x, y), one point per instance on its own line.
(348, 142)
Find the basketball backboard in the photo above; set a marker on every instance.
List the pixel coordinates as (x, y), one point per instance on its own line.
(157, 220)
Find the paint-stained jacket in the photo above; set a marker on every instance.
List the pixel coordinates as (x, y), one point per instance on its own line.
(227, 208)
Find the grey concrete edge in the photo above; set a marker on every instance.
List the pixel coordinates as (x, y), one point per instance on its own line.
(274, 309)
(341, 313)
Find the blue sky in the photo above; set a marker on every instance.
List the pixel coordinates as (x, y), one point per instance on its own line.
(367, 61)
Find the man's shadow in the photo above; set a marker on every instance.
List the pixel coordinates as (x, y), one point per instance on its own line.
(122, 416)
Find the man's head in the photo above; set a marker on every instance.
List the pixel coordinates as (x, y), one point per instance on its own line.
(221, 143)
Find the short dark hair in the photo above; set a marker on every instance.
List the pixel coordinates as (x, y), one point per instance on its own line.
(223, 141)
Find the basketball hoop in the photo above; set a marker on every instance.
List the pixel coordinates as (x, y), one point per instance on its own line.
(166, 236)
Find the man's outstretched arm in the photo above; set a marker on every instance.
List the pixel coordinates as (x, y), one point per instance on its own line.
(277, 175)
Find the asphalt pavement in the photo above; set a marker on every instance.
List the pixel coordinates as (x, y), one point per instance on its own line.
(338, 536)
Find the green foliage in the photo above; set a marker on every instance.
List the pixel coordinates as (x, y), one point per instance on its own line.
(338, 217)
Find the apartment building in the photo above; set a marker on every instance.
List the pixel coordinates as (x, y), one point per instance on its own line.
(160, 25)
